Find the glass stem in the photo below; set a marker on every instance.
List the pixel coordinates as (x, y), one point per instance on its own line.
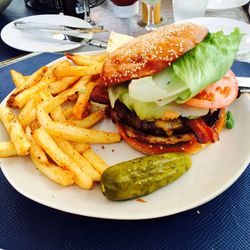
(151, 22)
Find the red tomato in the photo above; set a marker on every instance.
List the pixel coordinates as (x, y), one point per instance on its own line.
(217, 95)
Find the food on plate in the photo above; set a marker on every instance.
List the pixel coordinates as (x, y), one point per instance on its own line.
(168, 89)
(52, 122)
(141, 176)
(229, 120)
(15, 130)
(7, 149)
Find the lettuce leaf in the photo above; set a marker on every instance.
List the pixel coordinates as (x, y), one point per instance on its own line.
(207, 63)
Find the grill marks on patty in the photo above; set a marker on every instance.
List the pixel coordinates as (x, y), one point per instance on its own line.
(166, 132)
(152, 139)
(158, 127)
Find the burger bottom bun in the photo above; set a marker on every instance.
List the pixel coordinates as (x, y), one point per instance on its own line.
(190, 147)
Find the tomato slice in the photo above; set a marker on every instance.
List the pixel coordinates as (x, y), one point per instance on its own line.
(217, 95)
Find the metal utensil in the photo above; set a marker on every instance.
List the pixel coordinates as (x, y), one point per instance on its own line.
(44, 26)
(244, 84)
(87, 17)
(64, 38)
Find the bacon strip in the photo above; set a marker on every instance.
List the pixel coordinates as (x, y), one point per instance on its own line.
(202, 131)
(100, 95)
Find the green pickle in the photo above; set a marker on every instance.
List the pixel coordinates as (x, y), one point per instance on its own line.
(142, 176)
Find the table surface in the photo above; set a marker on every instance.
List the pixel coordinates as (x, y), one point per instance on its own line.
(75, 232)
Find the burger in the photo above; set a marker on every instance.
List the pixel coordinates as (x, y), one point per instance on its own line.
(168, 89)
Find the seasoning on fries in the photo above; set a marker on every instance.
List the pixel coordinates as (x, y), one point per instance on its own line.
(54, 119)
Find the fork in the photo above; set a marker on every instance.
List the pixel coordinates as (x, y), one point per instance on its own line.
(87, 17)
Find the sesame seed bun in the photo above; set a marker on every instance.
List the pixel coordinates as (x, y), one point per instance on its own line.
(151, 53)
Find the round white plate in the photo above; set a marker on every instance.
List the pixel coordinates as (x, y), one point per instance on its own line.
(227, 26)
(21, 40)
(213, 170)
(225, 4)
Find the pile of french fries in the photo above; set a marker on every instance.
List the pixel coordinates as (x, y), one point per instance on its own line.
(54, 120)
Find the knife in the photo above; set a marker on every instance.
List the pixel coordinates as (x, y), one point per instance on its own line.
(43, 26)
(63, 37)
(244, 84)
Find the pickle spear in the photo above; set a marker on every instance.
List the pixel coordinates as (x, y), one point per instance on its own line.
(141, 176)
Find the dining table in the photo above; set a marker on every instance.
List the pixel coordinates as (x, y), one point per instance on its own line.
(221, 223)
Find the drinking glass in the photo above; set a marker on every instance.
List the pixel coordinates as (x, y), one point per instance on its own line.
(189, 9)
(125, 8)
(150, 23)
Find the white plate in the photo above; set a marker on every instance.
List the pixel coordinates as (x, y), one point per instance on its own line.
(21, 40)
(225, 4)
(227, 25)
(213, 170)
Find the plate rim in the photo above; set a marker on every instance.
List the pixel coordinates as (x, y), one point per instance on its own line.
(4, 34)
(146, 216)
(241, 3)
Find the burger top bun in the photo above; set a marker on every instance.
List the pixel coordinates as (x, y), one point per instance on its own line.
(151, 53)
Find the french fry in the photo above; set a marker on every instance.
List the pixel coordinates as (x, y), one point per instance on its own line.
(20, 98)
(45, 94)
(50, 104)
(90, 120)
(98, 163)
(7, 149)
(41, 73)
(82, 101)
(24, 96)
(79, 107)
(61, 63)
(59, 175)
(31, 81)
(85, 165)
(34, 78)
(6, 116)
(15, 130)
(92, 69)
(80, 147)
(19, 138)
(42, 116)
(57, 115)
(67, 112)
(72, 133)
(34, 125)
(28, 132)
(62, 159)
(18, 78)
(62, 84)
(83, 60)
(28, 113)
(78, 86)
(38, 151)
